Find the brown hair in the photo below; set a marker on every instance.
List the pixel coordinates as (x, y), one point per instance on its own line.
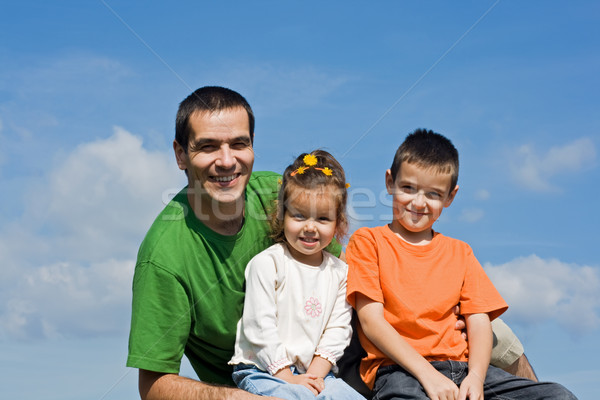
(208, 99)
(326, 172)
(427, 149)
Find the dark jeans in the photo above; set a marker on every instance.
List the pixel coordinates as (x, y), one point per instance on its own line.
(393, 382)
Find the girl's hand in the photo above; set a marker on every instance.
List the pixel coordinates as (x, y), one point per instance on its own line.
(439, 387)
(312, 382)
(471, 388)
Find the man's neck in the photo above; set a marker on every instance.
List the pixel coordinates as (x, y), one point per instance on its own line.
(224, 219)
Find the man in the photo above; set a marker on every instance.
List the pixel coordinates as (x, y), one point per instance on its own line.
(189, 277)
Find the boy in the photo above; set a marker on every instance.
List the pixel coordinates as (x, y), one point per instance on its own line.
(404, 278)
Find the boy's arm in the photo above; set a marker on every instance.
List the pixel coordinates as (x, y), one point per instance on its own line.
(385, 338)
(479, 330)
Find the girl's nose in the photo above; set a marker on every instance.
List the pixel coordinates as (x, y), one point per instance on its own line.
(310, 226)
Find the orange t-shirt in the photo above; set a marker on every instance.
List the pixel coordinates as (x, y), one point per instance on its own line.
(418, 287)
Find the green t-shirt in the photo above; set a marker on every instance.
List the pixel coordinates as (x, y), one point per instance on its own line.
(188, 287)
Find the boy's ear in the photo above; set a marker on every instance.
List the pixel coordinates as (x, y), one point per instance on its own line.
(451, 197)
(389, 181)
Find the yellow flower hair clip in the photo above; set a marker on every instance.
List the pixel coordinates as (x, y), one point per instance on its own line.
(310, 160)
(327, 171)
(299, 170)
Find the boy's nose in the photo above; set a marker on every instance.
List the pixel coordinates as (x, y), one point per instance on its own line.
(419, 200)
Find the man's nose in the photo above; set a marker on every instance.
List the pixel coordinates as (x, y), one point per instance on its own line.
(225, 158)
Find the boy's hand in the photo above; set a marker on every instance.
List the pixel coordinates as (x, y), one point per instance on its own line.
(439, 387)
(471, 388)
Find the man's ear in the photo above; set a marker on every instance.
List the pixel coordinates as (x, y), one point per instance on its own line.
(451, 197)
(389, 181)
(180, 155)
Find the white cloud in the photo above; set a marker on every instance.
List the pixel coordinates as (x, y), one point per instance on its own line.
(68, 299)
(539, 290)
(534, 171)
(471, 215)
(482, 194)
(69, 260)
(103, 196)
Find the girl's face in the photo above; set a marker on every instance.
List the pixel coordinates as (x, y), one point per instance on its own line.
(309, 223)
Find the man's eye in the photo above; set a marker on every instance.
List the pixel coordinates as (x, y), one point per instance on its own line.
(239, 145)
(203, 147)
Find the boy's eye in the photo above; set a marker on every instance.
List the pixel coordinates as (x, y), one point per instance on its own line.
(408, 189)
(434, 195)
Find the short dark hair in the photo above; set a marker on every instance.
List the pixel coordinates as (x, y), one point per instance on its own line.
(326, 172)
(427, 149)
(208, 99)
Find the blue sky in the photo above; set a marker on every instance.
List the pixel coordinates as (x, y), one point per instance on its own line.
(88, 95)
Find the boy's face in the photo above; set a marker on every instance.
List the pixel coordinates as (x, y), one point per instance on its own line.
(419, 196)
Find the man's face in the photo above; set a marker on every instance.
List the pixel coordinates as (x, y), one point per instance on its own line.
(219, 157)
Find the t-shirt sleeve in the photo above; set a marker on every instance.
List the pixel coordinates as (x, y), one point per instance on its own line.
(479, 295)
(160, 320)
(363, 267)
(334, 247)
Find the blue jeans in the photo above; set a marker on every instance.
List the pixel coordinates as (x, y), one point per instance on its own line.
(393, 382)
(253, 380)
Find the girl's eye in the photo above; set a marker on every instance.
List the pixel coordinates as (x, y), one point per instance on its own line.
(324, 219)
(298, 216)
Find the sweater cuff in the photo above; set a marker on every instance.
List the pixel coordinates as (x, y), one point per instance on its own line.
(329, 356)
(275, 367)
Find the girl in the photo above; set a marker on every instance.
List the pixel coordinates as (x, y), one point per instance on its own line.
(296, 321)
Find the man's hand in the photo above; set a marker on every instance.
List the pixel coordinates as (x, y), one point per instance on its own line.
(460, 324)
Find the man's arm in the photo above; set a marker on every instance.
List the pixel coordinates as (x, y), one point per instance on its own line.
(159, 386)
(385, 338)
(522, 368)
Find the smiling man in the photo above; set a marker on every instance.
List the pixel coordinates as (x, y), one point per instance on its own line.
(188, 287)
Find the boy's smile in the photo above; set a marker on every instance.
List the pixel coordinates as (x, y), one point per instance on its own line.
(419, 195)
